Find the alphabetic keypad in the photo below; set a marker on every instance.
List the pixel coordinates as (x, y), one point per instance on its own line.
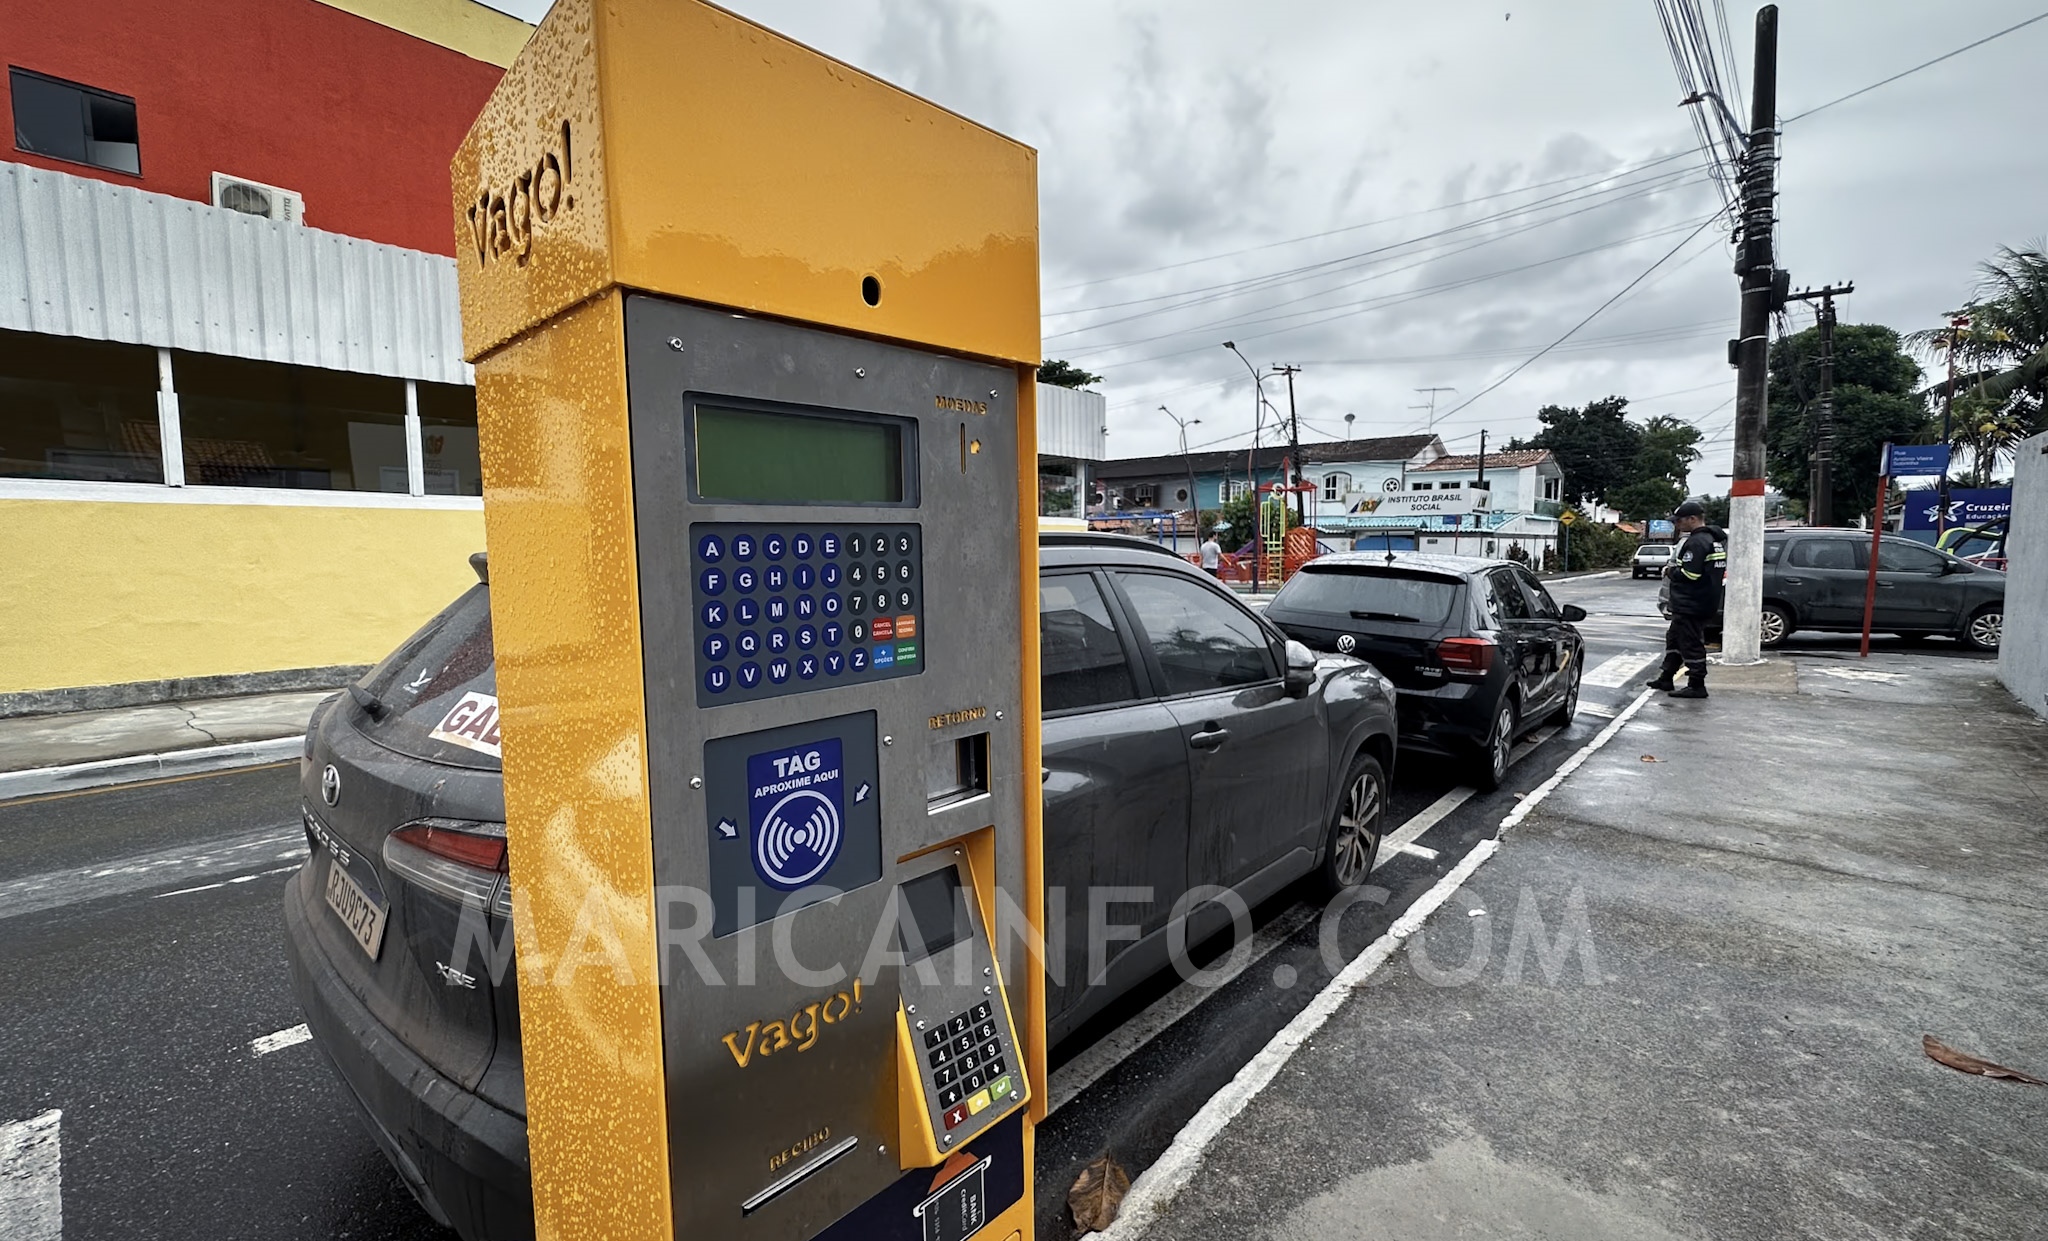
(786, 608)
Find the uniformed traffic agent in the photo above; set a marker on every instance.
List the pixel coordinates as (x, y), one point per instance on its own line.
(1695, 575)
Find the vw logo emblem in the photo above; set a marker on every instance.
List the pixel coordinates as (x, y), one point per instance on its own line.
(330, 785)
(1346, 644)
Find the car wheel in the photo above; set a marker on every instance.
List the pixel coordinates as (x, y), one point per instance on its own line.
(1986, 628)
(1356, 827)
(1774, 627)
(1500, 746)
(1562, 717)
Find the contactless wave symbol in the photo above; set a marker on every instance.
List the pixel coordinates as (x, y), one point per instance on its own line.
(798, 839)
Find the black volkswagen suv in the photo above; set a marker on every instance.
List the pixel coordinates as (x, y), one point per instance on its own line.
(1478, 649)
(1186, 743)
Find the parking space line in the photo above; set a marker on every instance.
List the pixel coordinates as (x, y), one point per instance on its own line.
(1617, 671)
(1157, 1185)
(31, 1179)
(279, 1041)
(208, 887)
(1119, 1044)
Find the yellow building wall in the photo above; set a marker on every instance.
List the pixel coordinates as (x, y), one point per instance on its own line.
(101, 593)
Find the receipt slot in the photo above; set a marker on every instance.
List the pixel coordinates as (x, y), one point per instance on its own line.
(753, 335)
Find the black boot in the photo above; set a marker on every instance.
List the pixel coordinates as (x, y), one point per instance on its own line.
(1695, 685)
(1662, 681)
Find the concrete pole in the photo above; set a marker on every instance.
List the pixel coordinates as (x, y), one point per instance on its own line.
(1741, 636)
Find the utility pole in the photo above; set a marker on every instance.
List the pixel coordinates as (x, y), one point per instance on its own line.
(1194, 497)
(1294, 443)
(1820, 504)
(1251, 472)
(1761, 291)
(1948, 400)
(1430, 425)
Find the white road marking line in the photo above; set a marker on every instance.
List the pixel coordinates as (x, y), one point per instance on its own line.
(180, 864)
(31, 1179)
(1086, 1069)
(1157, 1185)
(1573, 763)
(208, 887)
(279, 1041)
(1617, 671)
(1115, 1047)
(1595, 709)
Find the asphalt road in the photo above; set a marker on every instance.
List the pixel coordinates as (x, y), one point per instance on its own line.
(140, 958)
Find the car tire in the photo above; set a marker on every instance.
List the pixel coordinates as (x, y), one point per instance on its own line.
(1986, 628)
(1499, 746)
(1774, 627)
(1357, 825)
(1562, 717)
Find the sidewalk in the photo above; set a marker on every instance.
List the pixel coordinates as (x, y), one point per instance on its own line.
(85, 749)
(1693, 1005)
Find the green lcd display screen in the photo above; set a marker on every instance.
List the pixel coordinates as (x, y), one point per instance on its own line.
(761, 457)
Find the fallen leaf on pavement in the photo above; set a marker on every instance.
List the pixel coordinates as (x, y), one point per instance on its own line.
(1963, 1061)
(1651, 758)
(1097, 1194)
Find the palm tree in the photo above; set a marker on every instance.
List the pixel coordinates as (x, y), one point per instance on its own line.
(2002, 354)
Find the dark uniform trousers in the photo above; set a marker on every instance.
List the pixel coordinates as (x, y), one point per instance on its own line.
(1685, 643)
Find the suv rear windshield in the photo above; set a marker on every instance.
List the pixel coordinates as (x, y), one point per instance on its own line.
(429, 676)
(1370, 594)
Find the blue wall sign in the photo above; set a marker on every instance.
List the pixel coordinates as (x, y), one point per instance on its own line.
(1916, 460)
(1966, 507)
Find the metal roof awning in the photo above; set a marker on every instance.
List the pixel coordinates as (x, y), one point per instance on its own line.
(80, 257)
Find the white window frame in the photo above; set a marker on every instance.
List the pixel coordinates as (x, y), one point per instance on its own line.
(174, 490)
(1336, 486)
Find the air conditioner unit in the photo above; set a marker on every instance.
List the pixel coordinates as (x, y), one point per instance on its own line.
(256, 198)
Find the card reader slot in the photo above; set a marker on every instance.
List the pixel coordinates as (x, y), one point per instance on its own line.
(791, 1181)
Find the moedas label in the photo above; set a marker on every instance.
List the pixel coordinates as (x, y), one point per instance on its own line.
(796, 812)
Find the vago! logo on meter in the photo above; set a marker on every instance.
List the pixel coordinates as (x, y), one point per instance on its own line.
(796, 808)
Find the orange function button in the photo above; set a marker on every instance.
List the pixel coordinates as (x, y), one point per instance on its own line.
(906, 626)
(882, 628)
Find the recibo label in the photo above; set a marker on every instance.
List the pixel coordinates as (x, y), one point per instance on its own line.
(946, 719)
(805, 1147)
(960, 404)
(800, 1030)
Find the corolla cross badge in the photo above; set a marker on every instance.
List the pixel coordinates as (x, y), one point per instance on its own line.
(1346, 643)
(330, 785)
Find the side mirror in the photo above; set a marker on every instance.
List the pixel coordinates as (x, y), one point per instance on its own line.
(1572, 612)
(1301, 669)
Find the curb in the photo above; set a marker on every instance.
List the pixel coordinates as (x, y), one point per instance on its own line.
(106, 772)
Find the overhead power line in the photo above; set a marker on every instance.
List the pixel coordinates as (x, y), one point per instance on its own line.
(1925, 64)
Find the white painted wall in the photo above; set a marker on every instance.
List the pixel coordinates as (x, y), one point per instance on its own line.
(2023, 652)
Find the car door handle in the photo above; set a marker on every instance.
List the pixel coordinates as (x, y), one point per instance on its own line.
(1793, 581)
(1209, 738)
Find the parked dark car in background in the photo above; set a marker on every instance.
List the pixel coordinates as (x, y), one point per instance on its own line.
(1478, 650)
(1186, 743)
(1816, 580)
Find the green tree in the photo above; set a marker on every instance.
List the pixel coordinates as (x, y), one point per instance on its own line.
(1876, 399)
(1596, 446)
(1235, 517)
(1669, 448)
(1646, 498)
(1063, 374)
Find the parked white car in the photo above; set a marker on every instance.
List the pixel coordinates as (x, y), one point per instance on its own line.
(1650, 560)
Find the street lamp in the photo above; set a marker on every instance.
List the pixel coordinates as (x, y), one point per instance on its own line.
(1251, 457)
(1194, 501)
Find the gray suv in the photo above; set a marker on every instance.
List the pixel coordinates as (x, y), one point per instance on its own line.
(1187, 743)
(1816, 580)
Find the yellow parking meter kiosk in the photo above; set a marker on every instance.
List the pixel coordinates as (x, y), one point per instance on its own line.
(754, 335)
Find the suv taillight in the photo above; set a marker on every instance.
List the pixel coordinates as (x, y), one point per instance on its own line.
(462, 861)
(1466, 656)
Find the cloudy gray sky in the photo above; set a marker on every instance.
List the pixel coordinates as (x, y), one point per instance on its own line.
(1286, 175)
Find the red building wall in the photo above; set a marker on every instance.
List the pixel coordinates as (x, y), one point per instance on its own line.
(359, 118)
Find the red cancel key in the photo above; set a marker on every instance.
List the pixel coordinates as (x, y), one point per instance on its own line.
(955, 1115)
(882, 628)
